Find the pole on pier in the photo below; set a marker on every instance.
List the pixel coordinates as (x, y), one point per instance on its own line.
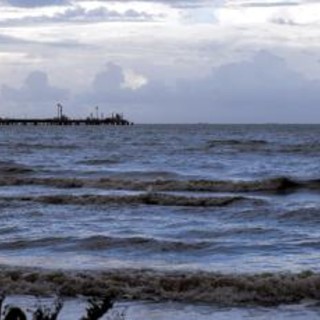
(97, 112)
(60, 111)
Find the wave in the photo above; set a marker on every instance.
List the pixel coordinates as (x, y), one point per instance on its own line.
(153, 285)
(307, 148)
(222, 233)
(97, 243)
(235, 143)
(146, 175)
(276, 184)
(160, 199)
(99, 162)
(301, 215)
(33, 243)
(8, 230)
(64, 183)
(12, 168)
(155, 245)
(41, 146)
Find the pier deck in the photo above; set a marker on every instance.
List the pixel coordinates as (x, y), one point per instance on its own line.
(65, 122)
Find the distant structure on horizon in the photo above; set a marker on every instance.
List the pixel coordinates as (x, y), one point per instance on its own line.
(61, 119)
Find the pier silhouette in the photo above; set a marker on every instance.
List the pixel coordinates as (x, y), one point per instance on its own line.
(116, 119)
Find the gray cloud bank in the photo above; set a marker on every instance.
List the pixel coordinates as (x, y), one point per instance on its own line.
(36, 88)
(101, 14)
(264, 4)
(78, 14)
(45, 3)
(34, 95)
(263, 89)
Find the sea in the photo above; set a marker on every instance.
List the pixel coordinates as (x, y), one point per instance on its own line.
(175, 221)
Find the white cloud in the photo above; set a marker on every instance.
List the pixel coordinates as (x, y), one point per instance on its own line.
(133, 80)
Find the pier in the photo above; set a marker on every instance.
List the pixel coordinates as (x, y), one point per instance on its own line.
(62, 120)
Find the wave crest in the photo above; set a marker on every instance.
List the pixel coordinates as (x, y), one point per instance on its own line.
(160, 199)
(12, 168)
(275, 184)
(260, 289)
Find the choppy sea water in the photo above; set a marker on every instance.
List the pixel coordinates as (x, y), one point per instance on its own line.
(216, 215)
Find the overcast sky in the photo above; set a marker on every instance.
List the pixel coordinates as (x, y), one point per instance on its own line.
(219, 61)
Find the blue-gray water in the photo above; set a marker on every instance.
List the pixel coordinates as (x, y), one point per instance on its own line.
(231, 199)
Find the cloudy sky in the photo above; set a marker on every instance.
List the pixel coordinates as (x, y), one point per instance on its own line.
(219, 61)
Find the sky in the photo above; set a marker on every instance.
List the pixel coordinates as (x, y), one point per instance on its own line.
(162, 61)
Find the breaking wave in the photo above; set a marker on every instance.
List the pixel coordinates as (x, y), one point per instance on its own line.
(153, 285)
(276, 184)
(160, 199)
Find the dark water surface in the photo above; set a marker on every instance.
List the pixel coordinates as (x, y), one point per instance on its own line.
(192, 199)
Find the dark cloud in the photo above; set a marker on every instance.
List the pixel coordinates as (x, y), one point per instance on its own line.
(180, 4)
(83, 15)
(44, 3)
(284, 21)
(185, 4)
(264, 4)
(99, 14)
(35, 3)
